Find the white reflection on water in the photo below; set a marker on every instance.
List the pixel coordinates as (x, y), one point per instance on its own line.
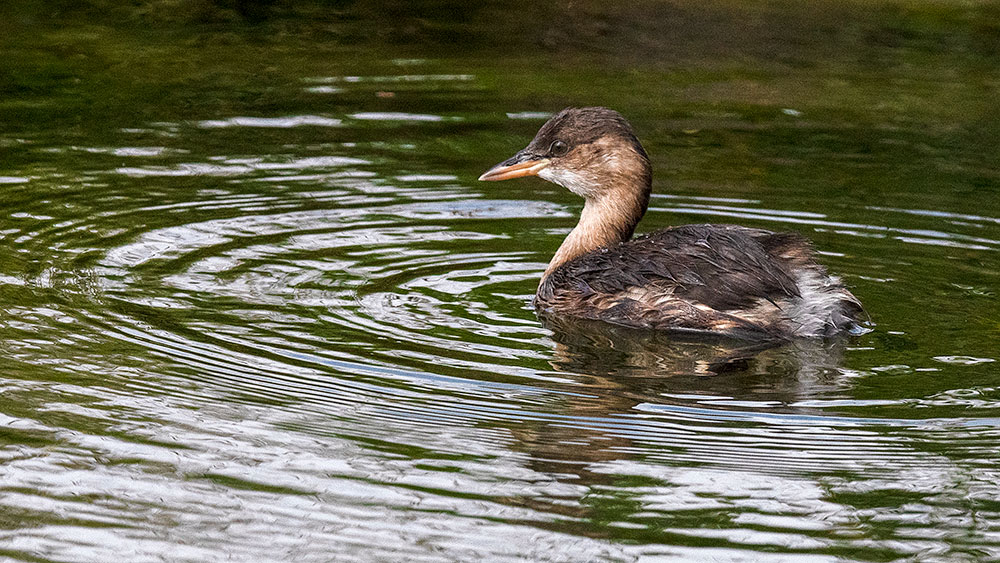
(392, 78)
(278, 122)
(529, 115)
(324, 90)
(239, 166)
(397, 116)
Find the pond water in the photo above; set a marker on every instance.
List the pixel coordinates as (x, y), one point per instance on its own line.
(255, 306)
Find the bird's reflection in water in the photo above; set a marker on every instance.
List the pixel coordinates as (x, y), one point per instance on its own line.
(649, 365)
(616, 369)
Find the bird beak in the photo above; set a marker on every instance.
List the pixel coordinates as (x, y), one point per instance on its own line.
(520, 165)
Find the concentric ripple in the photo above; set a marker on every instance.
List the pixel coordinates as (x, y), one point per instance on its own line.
(335, 339)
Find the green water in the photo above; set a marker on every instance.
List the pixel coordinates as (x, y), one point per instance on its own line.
(255, 306)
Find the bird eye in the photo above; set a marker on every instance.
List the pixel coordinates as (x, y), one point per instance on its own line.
(558, 148)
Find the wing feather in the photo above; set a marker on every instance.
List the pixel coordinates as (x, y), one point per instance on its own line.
(695, 277)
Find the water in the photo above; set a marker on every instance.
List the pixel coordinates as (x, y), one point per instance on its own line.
(256, 306)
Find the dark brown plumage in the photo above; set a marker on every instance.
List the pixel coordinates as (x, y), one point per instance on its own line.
(719, 279)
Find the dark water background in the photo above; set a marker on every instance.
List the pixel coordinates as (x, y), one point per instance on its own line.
(255, 306)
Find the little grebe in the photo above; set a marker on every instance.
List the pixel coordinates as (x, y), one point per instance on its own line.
(716, 279)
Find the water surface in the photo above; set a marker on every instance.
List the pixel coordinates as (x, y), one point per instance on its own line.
(256, 306)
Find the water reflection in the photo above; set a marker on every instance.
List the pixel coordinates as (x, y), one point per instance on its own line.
(244, 320)
(600, 349)
(664, 389)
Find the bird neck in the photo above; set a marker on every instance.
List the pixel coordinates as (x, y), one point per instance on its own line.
(607, 219)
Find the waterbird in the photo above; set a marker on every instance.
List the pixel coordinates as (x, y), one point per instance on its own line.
(724, 280)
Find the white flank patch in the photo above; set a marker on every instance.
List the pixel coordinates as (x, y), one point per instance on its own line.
(821, 296)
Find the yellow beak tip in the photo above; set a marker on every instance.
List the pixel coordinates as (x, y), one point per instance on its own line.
(519, 170)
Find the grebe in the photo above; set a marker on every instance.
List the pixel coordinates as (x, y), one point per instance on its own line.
(715, 279)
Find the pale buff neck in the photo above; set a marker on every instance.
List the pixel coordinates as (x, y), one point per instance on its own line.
(606, 220)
